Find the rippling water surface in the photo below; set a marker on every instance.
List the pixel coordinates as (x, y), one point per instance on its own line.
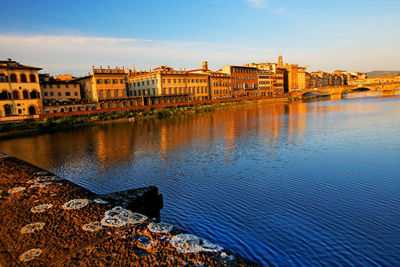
(282, 184)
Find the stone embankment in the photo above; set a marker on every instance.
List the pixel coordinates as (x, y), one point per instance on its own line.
(46, 220)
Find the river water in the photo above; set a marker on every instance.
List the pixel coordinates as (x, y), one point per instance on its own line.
(314, 183)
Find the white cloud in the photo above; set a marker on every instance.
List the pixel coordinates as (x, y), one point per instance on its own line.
(257, 3)
(76, 54)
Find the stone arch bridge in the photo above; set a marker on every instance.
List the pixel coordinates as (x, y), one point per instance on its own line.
(337, 92)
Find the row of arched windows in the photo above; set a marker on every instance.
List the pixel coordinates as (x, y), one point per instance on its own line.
(6, 95)
(22, 78)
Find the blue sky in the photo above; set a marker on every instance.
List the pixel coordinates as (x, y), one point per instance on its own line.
(70, 36)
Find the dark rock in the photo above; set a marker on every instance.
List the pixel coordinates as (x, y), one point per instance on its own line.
(145, 200)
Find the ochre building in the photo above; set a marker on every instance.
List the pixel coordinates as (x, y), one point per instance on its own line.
(165, 81)
(19, 89)
(103, 84)
(218, 82)
(60, 90)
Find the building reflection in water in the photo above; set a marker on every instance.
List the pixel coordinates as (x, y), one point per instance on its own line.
(114, 144)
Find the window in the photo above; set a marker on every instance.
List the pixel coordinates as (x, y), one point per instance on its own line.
(115, 93)
(152, 81)
(143, 83)
(169, 80)
(23, 78)
(3, 78)
(59, 94)
(32, 77)
(45, 93)
(138, 84)
(121, 81)
(114, 81)
(51, 93)
(74, 85)
(98, 81)
(66, 85)
(51, 86)
(76, 93)
(67, 93)
(58, 85)
(148, 82)
(106, 81)
(44, 86)
(13, 78)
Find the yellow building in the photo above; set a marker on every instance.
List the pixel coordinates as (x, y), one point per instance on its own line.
(103, 84)
(61, 90)
(278, 75)
(219, 83)
(165, 81)
(301, 78)
(19, 89)
(265, 83)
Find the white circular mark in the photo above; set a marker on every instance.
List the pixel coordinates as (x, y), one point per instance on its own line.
(100, 201)
(30, 254)
(92, 227)
(16, 190)
(75, 204)
(41, 208)
(41, 185)
(119, 216)
(226, 256)
(187, 243)
(30, 228)
(160, 228)
(42, 173)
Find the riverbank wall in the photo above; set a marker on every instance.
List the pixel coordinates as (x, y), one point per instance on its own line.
(46, 220)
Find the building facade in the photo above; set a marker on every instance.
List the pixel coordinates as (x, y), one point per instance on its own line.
(219, 83)
(264, 83)
(244, 80)
(19, 89)
(165, 81)
(103, 84)
(60, 90)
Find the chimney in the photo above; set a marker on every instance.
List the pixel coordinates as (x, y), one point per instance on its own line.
(205, 65)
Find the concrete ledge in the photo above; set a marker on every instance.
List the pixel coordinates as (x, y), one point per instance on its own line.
(46, 220)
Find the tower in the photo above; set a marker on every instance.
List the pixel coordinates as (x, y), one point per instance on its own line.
(205, 65)
(280, 61)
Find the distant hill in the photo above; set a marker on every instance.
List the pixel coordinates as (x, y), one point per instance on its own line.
(380, 73)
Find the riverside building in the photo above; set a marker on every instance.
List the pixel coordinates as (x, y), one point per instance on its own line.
(103, 84)
(166, 82)
(60, 90)
(244, 80)
(218, 82)
(19, 90)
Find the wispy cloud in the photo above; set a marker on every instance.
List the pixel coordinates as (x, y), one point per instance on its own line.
(76, 54)
(257, 3)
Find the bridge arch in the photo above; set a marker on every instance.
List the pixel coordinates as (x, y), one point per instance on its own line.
(315, 92)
